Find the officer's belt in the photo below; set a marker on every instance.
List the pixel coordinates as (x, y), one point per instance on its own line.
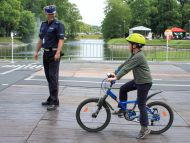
(50, 49)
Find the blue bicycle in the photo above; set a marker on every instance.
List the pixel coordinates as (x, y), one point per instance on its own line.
(94, 114)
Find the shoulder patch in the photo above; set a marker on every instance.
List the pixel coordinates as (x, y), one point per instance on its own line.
(57, 22)
(44, 22)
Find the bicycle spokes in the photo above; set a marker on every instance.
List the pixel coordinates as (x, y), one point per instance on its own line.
(160, 117)
(91, 117)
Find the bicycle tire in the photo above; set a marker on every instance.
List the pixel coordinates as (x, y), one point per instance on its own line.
(171, 116)
(80, 122)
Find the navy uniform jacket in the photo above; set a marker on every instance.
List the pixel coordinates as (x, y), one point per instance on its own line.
(51, 33)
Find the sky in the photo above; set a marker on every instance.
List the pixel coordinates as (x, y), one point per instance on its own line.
(92, 11)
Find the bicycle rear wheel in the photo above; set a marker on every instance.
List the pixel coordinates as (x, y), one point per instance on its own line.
(161, 118)
(87, 121)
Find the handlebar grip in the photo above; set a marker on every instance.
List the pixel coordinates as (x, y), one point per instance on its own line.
(109, 75)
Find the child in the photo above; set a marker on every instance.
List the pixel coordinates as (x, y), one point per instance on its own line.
(142, 79)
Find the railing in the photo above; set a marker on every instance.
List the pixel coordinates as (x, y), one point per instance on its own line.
(100, 51)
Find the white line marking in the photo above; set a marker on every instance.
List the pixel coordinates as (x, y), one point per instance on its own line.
(170, 80)
(5, 84)
(12, 70)
(7, 66)
(76, 81)
(180, 85)
(27, 66)
(31, 67)
(40, 66)
(157, 79)
(30, 77)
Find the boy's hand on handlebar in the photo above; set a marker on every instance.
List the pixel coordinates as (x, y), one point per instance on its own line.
(111, 79)
(110, 75)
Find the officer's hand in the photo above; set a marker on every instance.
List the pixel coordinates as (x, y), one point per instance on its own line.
(36, 55)
(57, 56)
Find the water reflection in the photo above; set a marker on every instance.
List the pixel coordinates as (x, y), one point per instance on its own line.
(95, 50)
(85, 49)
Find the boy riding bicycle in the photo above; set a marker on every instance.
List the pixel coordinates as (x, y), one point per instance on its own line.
(142, 79)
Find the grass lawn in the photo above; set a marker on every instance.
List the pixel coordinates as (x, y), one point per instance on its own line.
(172, 56)
(152, 42)
(8, 40)
(89, 36)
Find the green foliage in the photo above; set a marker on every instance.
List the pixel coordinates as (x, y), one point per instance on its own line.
(185, 10)
(117, 19)
(35, 6)
(140, 10)
(89, 29)
(9, 16)
(72, 20)
(27, 25)
(158, 15)
(89, 36)
(166, 15)
(20, 16)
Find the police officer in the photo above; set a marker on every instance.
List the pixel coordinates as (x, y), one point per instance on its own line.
(51, 39)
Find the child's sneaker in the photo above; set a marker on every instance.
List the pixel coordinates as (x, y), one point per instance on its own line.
(119, 112)
(143, 132)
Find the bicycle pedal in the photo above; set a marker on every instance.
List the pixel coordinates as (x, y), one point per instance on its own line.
(121, 116)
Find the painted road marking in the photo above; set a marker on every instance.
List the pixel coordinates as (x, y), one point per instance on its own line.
(31, 78)
(18, 67)
(12, 70)
(5, 84)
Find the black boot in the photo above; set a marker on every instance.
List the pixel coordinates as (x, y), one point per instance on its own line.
(46, 103)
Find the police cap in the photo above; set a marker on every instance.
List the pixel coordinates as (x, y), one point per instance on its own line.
(50, 9)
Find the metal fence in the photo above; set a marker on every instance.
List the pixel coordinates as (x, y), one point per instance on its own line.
(101, 51)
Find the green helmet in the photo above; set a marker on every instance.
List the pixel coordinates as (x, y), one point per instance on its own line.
(136, 38)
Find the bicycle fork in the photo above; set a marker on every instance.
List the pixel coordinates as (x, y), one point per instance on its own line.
(100, 104)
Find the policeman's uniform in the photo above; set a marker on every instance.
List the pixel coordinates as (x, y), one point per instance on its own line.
(50, 34)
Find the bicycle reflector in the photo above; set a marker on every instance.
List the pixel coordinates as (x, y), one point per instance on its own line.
(164, 113)
(86, 109)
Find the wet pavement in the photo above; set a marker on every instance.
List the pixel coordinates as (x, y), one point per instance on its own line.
(24, 120)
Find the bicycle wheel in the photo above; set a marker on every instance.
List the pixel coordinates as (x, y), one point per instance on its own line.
(161, 118)
(87, 121)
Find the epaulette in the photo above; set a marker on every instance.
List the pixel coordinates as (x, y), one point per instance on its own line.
(57, 22)
(43, 22)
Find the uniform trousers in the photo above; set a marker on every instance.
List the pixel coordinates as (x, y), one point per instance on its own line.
(51, 68)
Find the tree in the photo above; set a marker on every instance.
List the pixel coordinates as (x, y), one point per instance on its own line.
(185, 12)
(18, 16)
(117, 19)
(72, 18)
(35, 6)
(9, 16)
(27, 25)
(164, 14)
(140, 10)
(183, 2)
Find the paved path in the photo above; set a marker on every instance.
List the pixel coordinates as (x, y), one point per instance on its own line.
(23, 119)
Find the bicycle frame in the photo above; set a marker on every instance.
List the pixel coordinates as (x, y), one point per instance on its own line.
(123, 105)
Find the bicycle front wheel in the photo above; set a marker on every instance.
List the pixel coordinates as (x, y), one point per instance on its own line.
(160, 117)
(86, 119)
